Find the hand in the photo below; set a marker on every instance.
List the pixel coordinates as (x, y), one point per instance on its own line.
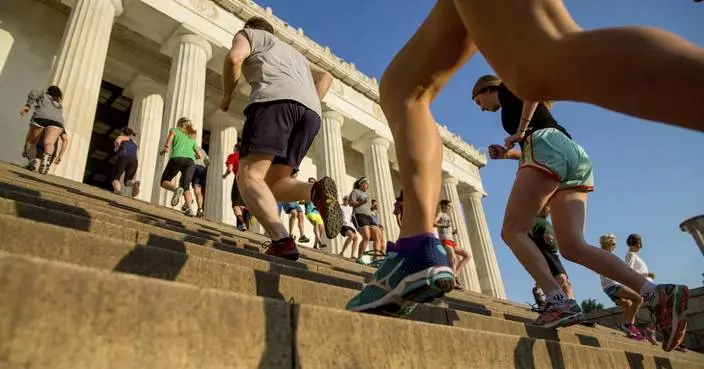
(24, 111)
(497, 152)
(225, 175)
(651, 275)
(57, 161)
(510, 141)
(164, 151)
(225, 103)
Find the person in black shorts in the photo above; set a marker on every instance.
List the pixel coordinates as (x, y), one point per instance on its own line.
(199, 175)
(126, 163)
(544, 237)
(283, 117)
(56, 155)
(181, 142)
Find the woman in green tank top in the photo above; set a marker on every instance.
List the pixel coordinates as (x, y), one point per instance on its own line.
(184, 150)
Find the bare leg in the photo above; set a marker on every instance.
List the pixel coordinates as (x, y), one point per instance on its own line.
(451, 258)
(199, 196)
(464, 259)
(33, 133)
(542, 54)
(301, 222)
(568, 213)
(565, 284)
(116, 186)
(318, 229)
(410, 83)
(634, 300)
(284, 187)
(625, 305)
(366, 236)
(168, 185)
(530, 193)
(257, 196)
(51, 134)
(292, 218)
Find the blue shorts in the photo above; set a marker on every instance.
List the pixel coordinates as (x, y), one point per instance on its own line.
(612, 291)
(288, 207)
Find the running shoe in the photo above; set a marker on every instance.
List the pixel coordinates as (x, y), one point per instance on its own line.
(135, 188)
(242, 227)
(177, 197)
(200, 213)
(45, 163)
(633, 333)
(649, 335)
(406, 277)
(285, 248)
(303, 239)
(559, 315)
(669, 314)
(324, 197)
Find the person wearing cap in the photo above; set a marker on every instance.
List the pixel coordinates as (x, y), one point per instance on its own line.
(347, 229)
(555, 168)
(362, 215)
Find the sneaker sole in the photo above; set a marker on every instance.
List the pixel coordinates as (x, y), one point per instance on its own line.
(331, 212)
(564, 322)
(135, 189)
(177, 197)
(289, 256)
(420, 287)
(679, 320)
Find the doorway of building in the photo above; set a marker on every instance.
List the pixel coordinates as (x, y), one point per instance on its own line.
(111, 115)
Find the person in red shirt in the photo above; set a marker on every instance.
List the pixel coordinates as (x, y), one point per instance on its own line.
(232, 164)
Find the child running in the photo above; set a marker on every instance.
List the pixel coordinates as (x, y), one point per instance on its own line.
(554, 167)
(347, 229)
(446, 233)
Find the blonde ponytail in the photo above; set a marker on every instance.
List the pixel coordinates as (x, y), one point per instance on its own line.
(186, 125)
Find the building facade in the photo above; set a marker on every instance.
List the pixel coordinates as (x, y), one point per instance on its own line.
(146, 63)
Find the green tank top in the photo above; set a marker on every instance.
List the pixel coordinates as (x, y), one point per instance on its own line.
(183, 146)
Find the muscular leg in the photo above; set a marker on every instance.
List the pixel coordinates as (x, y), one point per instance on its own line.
(33, 133)
(568, 214)
(542, 54)
(284, 187)
(565, 284)
(410, 83)
(625, 305)
(366, 236)
(531, 191)
(199, 195)
(634, 302)
(292, 218)
(257, 196)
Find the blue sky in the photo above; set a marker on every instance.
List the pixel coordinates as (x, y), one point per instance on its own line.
(649, 177)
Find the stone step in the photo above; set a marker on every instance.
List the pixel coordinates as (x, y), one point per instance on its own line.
(147, 234)
(61, 316)
(254, 278)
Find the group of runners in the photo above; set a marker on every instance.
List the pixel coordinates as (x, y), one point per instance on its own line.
(541, 55)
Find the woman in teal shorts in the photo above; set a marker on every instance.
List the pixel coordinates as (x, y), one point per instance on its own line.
(554, 168)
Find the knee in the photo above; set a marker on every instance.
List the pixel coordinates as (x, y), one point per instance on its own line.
(355, 237)
(626, 303)
(511, 231)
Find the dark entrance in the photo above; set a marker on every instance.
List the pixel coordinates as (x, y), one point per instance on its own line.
(112, 114)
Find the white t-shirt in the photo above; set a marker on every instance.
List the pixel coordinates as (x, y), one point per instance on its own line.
(606, 282)
(636, 263)
(347, 216)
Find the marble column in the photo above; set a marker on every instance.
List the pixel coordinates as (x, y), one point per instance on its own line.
(185, 96)
(223, 137)
(145, 119)
(695, 227)
(482, 248)
(468, 276)
(378, 170)
(78, 70)
(331, 159)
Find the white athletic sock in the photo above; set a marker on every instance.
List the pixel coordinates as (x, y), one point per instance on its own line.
(649, 294)
(556, 296)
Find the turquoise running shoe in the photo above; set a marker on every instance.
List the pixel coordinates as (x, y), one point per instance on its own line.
(406, 278)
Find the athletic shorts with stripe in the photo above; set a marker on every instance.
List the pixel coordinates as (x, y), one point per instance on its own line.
(559, 157)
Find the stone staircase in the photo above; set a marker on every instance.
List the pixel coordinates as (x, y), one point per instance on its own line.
(92, 280)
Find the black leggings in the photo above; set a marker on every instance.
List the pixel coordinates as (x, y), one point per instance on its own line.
(127, 165)
(184, 165)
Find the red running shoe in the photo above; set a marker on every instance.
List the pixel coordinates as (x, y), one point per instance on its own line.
(670, 314)
(284, 248)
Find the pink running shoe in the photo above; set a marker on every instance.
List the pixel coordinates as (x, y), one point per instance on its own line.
(559, 315)
(670, 314)
(633, 332)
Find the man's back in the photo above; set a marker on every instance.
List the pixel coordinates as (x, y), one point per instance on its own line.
(277, 71)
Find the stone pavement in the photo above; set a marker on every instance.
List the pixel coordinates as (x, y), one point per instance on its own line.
(90, 280)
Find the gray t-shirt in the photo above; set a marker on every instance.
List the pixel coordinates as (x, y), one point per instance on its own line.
(45, 107)
(203, 157)
(276, 71)
(445, 233)
(366, 208)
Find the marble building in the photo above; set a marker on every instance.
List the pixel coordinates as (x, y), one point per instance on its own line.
(145, 63)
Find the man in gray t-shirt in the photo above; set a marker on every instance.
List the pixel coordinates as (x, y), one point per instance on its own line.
(283, 117)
